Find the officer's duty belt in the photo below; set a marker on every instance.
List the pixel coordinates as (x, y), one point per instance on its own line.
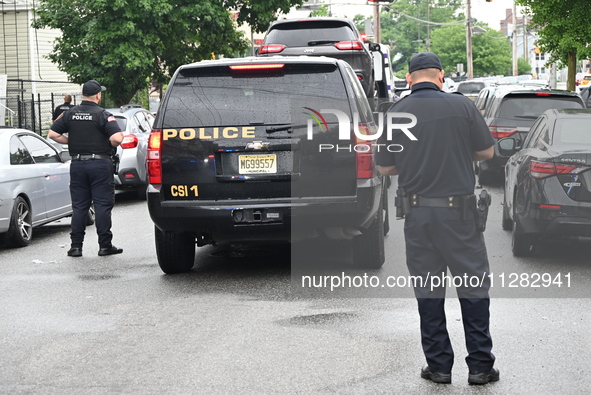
(450, 202)
(90, 157)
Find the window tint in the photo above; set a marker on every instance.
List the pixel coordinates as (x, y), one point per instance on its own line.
(18, 153)
(41, 151)
(523, 107)
(572, 132)
(144, 121)
(217, 96)
(122, 122)
(533, 137)
(305, 33)
(470, 87)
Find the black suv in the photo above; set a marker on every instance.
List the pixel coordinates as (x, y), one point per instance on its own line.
(333, 37)
(263, 149)
(511, 111)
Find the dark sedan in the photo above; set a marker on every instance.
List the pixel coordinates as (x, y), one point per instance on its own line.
(548, 182)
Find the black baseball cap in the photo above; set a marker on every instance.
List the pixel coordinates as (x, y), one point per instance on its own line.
(91, 88)
(424, 60)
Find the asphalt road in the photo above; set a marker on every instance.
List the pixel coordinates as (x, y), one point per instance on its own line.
(240, 323)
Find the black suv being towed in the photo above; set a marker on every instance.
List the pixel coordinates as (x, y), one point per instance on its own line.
(333, 37)
(263, 149)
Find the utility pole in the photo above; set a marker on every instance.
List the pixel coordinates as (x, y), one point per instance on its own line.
(376, 23)
(470, 73)
(525, 50)
(514, 35)
(428, 40)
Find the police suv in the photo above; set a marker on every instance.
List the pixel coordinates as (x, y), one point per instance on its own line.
(271, 149)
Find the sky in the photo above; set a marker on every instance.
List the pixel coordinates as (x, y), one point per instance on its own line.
(490, 12)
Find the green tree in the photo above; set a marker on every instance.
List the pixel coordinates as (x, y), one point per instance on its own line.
(523, 66)
(491, 52)
(124, 44)
(563, 30)
(406, 35)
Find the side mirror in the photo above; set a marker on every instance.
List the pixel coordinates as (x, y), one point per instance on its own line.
(508, 146)
(374, 47)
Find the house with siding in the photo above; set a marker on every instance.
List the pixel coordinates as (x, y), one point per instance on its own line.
(34, 84)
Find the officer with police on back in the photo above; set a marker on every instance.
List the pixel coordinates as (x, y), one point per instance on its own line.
(62, 107)
(443, 219)
(92, 137)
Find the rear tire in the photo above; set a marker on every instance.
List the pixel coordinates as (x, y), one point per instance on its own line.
(507, 222)
(175, 251)
(522, 244)
(368, 248)
(20, 229)
(386, 212)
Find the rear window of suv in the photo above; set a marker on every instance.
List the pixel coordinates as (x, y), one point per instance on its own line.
(310, 33)
(524, 107)
(470, 87)
(218, 96)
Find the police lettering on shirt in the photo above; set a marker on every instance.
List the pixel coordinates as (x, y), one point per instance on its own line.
(81, 116)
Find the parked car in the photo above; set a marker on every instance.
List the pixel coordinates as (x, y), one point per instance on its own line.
(471, 88)
(511, 111)
(548, 182)
(34, 185)
(333, 37)
(136, 124)
(585, 80)
(255, 149)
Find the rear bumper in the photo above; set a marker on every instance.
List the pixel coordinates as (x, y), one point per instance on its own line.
(270, 219)
(567, 221)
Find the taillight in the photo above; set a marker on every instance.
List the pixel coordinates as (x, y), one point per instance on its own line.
(364, 154)
(257, 67)
(154, 158)
(542, 94)
(129, 141)
(547, 169)
(500, 132)
(272, 48)
(344, 45)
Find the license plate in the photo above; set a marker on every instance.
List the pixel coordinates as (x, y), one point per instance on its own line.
(257, 164)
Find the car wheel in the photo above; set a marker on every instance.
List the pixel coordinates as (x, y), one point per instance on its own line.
(175, 251)
(522, 244)
(368, 248)
(141, 191)
(386, 212)
(20, 229)
(507, 222)
(90, 217)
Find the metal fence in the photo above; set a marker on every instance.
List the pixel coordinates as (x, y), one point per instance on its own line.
(29, 104)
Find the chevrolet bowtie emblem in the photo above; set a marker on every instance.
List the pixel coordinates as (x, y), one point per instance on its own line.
(257, 145)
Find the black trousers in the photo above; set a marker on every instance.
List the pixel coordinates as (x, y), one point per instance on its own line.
(438, 239)
(91, 181)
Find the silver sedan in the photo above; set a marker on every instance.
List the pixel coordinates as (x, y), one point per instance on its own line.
(34, 185)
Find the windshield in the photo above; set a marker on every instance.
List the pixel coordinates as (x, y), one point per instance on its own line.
(216, 96)
(530, 107)
(309, 33)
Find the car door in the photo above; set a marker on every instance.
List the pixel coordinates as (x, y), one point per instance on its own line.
(55, 175)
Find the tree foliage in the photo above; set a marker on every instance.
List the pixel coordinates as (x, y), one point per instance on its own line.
(563, 30)
(124, 44)
(406, 35)
(491, 51)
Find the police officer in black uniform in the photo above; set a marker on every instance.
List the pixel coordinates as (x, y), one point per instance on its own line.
(436, 183)
(92, 137)
(62, 107)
